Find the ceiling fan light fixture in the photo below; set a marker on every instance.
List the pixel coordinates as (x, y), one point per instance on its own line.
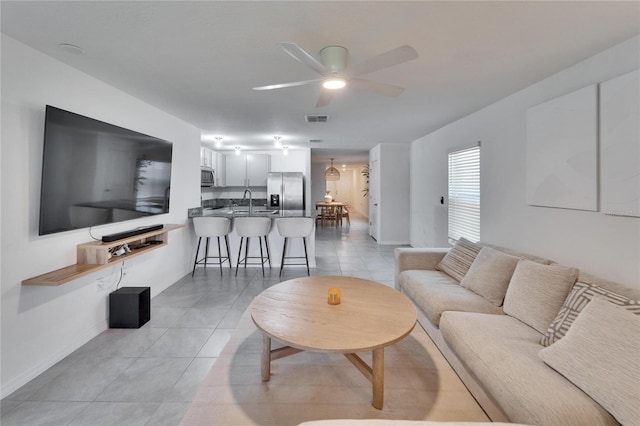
(331, 173)
(334, 83)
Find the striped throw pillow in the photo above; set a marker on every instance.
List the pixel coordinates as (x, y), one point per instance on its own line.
(458, 260)
(580, 295)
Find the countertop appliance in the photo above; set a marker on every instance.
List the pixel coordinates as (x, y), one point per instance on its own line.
(285, 191)
(206, 177)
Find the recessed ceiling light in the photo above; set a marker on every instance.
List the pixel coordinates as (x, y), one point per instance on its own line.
(72, 48)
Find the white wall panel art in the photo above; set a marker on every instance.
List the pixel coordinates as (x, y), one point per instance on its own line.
(620, 145)
(562, 152)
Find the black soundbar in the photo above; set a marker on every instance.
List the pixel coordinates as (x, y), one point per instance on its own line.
(126, 234)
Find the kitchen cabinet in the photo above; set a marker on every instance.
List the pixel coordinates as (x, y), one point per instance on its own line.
(215, 161)
(206, 157)
(219, 168)
(247, 169)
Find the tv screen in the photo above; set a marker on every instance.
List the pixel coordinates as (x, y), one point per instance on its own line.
(95, 173)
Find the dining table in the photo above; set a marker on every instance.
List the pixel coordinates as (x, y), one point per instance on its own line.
(330, 212)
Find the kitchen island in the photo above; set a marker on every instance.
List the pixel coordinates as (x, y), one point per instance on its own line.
(276, 242)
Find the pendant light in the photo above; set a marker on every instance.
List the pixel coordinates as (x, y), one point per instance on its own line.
(331, 173)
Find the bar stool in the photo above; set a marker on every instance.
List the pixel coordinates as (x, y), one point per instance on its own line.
(209, 227)
(247, 227)
(295, 227)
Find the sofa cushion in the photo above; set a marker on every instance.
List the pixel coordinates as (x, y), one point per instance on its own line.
(578, 298)
(458, 260)
(599, 354)
(536, 292)
(502, 353)
(490, 274)
(630, 292)
(517, 253)
(435, 292)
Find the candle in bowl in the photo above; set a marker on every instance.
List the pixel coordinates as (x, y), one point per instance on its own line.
(333, 296)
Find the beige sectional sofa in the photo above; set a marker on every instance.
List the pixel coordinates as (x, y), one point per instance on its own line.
(490, 309)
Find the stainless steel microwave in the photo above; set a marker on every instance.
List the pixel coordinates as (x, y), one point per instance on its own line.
(207, 177)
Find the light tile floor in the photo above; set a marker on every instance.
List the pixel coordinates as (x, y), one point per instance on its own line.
(149, 376)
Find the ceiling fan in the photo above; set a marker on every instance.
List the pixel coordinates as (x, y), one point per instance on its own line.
(335, 75)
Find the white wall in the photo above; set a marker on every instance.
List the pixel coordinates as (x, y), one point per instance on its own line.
(608, 246)
(360, 203)
(41, 325)
(318, 184)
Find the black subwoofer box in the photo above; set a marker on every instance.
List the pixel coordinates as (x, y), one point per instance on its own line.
(129, 307)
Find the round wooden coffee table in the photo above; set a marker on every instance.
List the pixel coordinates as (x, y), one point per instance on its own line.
(369, 317)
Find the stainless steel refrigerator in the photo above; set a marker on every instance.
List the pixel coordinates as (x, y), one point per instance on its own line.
(285, 191)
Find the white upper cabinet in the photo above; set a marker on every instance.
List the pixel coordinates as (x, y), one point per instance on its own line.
(236, 169)
(247, 169)
(257, 169)
(220, 167)
(206, 157)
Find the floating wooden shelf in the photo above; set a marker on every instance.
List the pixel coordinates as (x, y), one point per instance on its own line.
(94, 255)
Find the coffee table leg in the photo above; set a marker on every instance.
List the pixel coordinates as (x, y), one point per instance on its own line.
(378, 378)
(265, 361)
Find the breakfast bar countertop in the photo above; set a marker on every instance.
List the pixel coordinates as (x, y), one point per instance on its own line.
(258, 211)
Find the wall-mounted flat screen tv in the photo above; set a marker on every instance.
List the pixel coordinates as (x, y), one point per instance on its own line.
(95, 173)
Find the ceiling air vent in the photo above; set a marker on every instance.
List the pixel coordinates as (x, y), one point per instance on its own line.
(315, 140)
(316, 118)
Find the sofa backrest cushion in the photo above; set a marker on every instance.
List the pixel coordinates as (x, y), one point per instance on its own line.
(516, 253)
(630, 292)
(458, 260)
(599, 355)
(581, 294)
(536, 292)
(489, 274)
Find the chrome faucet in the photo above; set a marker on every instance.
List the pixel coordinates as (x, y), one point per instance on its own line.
(244, 197)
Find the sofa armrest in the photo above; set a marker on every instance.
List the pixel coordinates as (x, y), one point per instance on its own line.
(417, 258)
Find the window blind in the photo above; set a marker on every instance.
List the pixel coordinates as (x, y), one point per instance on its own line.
(464, 194)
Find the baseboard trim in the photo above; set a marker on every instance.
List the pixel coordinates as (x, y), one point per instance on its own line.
(393, 243)
(22, 379)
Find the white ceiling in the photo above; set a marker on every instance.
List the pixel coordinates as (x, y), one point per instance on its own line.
(199, 60)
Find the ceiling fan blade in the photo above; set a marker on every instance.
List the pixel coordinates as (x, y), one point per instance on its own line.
(324, 98)
(384, 60)
(283, 85)
(305, 57)
(375, 87)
